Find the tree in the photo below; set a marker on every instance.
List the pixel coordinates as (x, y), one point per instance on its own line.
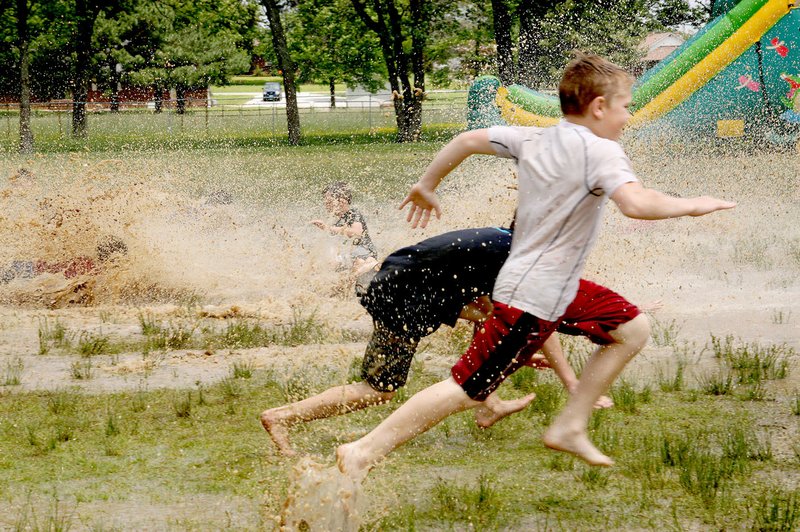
(501, 23)
(25, 132)
(287, 66)
(403, 38)
(329, 45)
(175, 45)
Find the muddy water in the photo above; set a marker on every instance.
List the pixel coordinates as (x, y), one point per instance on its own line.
(250, 247)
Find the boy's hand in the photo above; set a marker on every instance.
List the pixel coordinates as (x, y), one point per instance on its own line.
(423, 201)
(707, 204)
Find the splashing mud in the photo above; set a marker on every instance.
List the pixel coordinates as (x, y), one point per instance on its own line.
(321, 498)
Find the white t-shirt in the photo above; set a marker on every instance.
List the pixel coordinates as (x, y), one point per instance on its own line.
(566, 173)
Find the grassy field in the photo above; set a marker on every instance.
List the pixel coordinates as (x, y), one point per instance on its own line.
(150, 419)
(222, 127)
(692, 454)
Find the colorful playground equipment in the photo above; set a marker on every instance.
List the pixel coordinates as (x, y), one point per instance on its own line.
(739, 75)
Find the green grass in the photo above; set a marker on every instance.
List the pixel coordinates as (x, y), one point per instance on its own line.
(228, 125)
(207, 442)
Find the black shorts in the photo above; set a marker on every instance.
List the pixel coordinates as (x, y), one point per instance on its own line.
(387, 359)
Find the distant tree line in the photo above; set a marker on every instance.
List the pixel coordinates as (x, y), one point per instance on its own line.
(52, 49)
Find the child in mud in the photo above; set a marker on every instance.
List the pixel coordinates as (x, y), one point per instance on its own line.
(361, 256)
(417, 289)
(566, 173)
(107, 249)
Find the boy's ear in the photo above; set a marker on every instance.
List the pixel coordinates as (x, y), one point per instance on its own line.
(597, 107)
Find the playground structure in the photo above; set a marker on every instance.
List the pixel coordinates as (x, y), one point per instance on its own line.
(739, 75)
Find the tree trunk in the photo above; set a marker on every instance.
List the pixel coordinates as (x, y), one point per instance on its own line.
(83, 44)
(387, 26)
(180, 99)
(158, 98)
(286, 65)
(530, 15)
(332, 84)
(25, 132)
(501, 18)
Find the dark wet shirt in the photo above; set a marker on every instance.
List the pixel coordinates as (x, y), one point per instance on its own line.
(353, 216)
(420, 287)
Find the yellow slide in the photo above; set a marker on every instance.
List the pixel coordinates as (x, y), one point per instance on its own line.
(750, 32)
(516, 115)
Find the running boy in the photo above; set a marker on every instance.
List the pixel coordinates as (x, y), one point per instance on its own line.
(350, 224)
(417, 289)
(566, 173)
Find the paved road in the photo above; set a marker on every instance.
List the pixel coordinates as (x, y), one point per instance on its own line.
(321, 100)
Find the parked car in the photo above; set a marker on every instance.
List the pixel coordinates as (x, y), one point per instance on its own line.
(272, 91)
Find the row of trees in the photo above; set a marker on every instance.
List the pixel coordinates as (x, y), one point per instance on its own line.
(58, 48)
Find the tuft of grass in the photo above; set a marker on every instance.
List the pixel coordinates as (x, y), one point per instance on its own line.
(182, 404)
(675, 382)
(243, 369)
(753, 362)
(626, 398)
(231, 387)
(549, 398)
(82, 369)
(13, 372)
(795, 404)
(61, 402)
(777, 510)
(664, 333)
(779, 317)
(93, 344)
(479, 505)
(301, 330)
(594, 477)
(159, 337)
(53, 335)
(718, 383)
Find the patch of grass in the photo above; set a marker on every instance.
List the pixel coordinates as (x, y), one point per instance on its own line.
(182, 404)
(242, 369)
(93, 344)
(795, 404)
(626, 398)
(82, 369)
(781, 317)
(13, 373)
(752, 362)
(718, 383)
(478, 505)
(53, 335)
(160, 337)
(777, 510)
(674, 382)
(664, 333)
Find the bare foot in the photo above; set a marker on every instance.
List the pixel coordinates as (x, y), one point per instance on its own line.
(575, 442)
(278, 431)
(603, 402)
(487, 415)
(351, 462)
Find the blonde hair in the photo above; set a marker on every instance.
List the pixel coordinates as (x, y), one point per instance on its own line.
(587, 77)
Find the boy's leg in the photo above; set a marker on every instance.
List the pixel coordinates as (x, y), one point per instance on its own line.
(332, 402)
(424, 410)
(384, 369)
(490, 358)
(607, 318)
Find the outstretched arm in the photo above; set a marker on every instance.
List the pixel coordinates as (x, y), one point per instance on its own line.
(422, 197)
(636, 201)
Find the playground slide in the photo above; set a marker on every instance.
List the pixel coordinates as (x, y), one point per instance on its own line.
(673, 80)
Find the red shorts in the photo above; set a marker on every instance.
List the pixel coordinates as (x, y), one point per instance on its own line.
(595, 312)
(508, 339)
